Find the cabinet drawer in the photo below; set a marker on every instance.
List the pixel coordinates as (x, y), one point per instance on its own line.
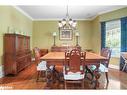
(21, 63)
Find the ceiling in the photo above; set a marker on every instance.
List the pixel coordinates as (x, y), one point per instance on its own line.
(59, 12)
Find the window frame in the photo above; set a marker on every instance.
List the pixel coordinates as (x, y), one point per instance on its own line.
(114, 54)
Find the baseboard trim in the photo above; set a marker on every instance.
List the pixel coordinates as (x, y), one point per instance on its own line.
(1, 71)
(114, 66)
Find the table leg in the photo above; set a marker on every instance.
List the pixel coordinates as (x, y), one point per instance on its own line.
(97, 76)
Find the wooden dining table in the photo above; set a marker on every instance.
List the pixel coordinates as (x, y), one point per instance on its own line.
(91, 58)
(58, 59)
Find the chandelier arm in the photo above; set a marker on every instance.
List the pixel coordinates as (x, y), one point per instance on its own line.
(67, 22)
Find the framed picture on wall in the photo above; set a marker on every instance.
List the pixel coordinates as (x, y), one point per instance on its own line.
(65, 34)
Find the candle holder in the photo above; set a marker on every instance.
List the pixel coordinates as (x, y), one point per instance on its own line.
(77, 38)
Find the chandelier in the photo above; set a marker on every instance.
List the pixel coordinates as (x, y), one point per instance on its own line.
(67, 23)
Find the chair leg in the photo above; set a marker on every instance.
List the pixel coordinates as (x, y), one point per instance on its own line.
(38, 74)
(124, 67)
(42, 73)
(90, 72)
(65, 84)
(106, 73)
(97, 76)
(82, 84)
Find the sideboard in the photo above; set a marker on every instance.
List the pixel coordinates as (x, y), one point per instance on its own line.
(63, 48)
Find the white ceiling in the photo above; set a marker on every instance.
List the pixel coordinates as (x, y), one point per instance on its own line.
(58, 12)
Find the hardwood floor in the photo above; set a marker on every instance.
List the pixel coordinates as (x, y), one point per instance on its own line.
(26, 79)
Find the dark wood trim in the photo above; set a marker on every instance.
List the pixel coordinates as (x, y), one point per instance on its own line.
(17, 54)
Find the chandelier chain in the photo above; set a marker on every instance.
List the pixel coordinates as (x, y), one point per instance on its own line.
(67, 22)
(67, 14)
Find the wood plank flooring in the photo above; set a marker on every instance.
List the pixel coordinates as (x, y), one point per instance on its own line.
(26, 79)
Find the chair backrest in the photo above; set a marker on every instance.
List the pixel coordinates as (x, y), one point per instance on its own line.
(37, 54)
(75, 60)
(106, 52)
(43, 52)
(124, 56)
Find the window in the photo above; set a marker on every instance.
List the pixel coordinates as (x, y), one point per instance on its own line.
(113, 32)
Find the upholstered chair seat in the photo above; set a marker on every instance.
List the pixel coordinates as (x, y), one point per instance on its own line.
(42, 66)
(102, 68)
(73, 75)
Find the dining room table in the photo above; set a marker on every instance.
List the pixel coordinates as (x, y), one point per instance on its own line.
(58, 59)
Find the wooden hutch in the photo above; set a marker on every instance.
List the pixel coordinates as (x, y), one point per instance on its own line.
(17, 54)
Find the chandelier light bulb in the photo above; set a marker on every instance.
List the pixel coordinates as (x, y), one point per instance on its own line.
(70, 21)
(60, 24)
(64, 22)
(74, 24)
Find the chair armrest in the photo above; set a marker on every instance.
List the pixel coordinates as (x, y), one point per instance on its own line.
(65, 69)
(43, 52)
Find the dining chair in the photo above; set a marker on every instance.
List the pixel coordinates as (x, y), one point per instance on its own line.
(124, 57)
(41, 65)
(105, 52)
(73, 70)
(43, 52)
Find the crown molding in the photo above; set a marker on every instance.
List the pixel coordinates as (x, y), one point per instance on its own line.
(114, 9)
(58, 19)
(54, 19)
(100, 13)
(94, 17)
(20, 10)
